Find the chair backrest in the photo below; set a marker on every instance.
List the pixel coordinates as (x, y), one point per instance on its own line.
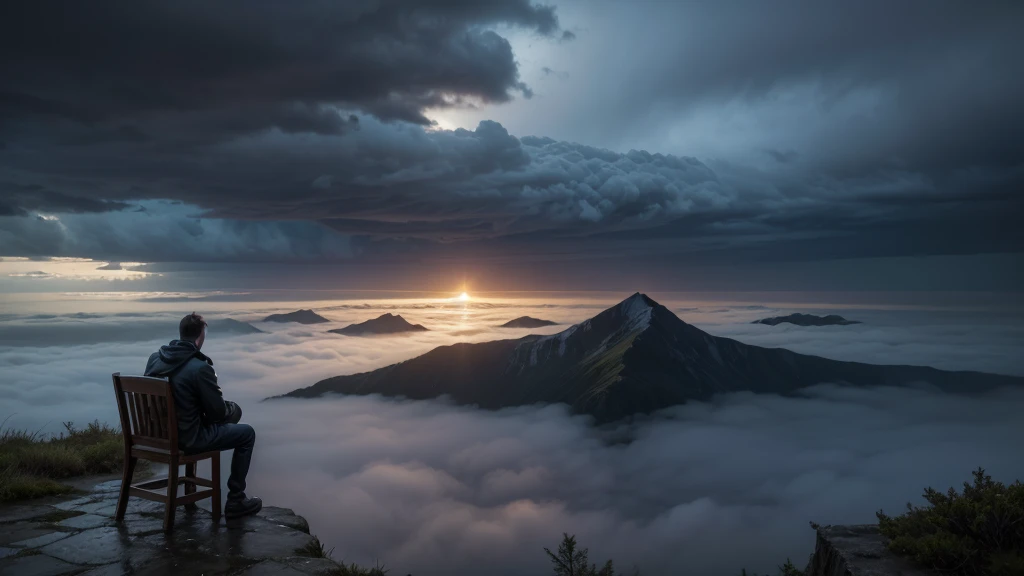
(146, 406)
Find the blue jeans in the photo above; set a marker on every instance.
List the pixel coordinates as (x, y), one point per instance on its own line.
(230, 435)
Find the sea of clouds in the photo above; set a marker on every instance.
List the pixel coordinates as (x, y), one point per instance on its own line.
(434, 489)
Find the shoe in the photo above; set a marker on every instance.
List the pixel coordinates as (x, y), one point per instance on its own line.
(236, 508)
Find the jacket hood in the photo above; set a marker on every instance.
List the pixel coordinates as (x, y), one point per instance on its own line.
(172, 356)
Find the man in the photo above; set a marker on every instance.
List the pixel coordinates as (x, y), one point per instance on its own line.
(206, 422)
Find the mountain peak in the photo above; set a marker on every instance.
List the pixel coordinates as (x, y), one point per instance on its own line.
(637, 304)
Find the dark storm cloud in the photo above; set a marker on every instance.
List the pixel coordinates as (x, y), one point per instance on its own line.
(252, 115)
(97, 63)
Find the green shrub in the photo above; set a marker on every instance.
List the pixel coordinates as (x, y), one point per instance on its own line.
(787, 569)
(31, 465)
(317, 549)
(570, 560)
(977, 532)
(16, 486)
(356, 570)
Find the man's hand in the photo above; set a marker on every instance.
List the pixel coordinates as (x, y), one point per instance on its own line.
(234, 413)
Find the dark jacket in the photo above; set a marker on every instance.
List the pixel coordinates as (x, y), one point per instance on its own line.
(198, 400)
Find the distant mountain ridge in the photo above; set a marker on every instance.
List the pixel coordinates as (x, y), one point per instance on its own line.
(527, 322)
(299, 317)
(807, 320)
(635, 357)
(232, 326)
(384, 324)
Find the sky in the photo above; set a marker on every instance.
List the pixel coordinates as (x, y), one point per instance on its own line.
(434, 489)
(512, 145)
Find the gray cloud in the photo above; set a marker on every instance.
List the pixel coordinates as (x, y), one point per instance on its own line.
(277, 65)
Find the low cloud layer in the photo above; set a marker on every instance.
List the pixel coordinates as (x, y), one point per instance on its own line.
(435, 489)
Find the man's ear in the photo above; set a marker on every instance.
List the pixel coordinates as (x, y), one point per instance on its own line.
(201, 339)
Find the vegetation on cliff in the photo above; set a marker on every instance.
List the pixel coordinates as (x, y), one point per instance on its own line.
(317, 549)
(32, 465)
(571, 560)
(979, 531)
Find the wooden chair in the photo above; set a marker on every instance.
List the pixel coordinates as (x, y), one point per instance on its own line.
(150, 428)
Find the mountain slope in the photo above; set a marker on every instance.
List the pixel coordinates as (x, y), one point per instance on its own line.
(635, 357)
(384, 324)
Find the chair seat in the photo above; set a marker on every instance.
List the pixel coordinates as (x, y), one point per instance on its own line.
(161, 455)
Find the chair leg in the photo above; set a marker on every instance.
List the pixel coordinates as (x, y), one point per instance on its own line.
(215, 502)
(172, 493)
(126, 483)
(190, 487)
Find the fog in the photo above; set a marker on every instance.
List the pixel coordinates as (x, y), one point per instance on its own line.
(431, 489)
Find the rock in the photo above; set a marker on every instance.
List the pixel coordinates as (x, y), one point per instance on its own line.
(10, 534)
(284, 517)
(86, 521)
(22, 512)
(37, 565)
(42, 540)
(78, 535)
(857, 550)
(96, 546)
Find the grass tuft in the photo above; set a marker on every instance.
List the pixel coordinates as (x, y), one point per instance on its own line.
(316, 549)
(32, 465)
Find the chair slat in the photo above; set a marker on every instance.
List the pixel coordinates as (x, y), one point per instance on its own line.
(152, 403)
(161, 403)
(132, 413)
(143, 402)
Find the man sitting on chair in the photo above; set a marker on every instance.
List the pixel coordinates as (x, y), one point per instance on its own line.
(206, 422)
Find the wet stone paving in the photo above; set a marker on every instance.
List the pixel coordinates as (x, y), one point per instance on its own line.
(78, 535)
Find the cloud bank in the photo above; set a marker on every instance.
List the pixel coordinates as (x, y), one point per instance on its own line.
(435, 489)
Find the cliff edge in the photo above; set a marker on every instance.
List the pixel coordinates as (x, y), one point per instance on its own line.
(65, 536)
(857, 550)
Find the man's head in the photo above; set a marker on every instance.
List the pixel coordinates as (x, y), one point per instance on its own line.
(193, 328)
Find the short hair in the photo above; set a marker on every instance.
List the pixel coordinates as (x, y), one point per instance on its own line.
(191, 326)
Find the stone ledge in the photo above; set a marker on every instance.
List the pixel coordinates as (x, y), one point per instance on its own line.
(77, 535)
(857, 550)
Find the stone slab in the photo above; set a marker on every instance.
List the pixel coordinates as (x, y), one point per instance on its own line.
(20, 512)
(86, 521)
(43, 540)
(96, 546)
(284, 517)
(857, 550)
(37, 565)
(16, 531)
(80, 536)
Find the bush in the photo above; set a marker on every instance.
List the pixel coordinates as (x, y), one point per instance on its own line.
(977, 532)
(573, 561)
(787, 569)
(317, 549)
(32, 465)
